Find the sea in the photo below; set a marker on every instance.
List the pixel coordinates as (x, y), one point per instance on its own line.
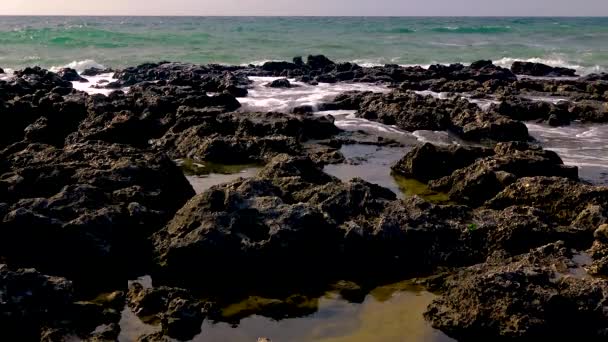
(579, 43)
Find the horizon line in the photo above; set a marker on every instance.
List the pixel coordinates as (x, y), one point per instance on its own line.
(303, 16)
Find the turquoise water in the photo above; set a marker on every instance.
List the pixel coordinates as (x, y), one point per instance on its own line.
(121, 41)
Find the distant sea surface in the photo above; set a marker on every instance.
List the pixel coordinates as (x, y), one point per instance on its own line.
(580, 43)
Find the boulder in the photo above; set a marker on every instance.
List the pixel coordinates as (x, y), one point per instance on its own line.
(68, 74)
(319, 62)
(279, 67)
(281, 213)
(539, 69)
(280, 83)
(95, 71)
(429, 162)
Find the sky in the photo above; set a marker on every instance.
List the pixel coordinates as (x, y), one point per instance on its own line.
(309, 7)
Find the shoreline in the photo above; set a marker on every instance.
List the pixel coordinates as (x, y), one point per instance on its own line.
(91, 197)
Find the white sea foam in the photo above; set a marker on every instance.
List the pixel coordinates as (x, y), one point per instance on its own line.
(554, 61)
(579, 145)
(262, 98)
(95, 80)
(79, 66)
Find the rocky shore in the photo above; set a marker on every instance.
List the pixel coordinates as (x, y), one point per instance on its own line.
(91, 197)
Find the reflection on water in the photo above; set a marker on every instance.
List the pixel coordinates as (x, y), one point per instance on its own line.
(388, 313)
(411, 187)
(203, 175)
(373, 164)
(344, 313)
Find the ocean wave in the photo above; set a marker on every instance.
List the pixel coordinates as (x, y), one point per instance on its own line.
(401, 30)
(472, 29)
(551, 61)
(79, 66)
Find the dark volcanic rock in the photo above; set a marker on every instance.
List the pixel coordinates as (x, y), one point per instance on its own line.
(68, 74)
(242, 137)
(181, 316)
(539, 69)
(562, 113)
(528, 297)
(278, 215)
(147, 112)
(407, 110)
(280, 83)
(428, 162)
(567, 201)
(319, 62)
(95, 71)
(30, 301)
(480, 71)
(85, 210)
(411, 112)
(34, 93)
(486, 177)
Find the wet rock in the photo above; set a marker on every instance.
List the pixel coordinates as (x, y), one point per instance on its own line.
(279, 67)
(428, 162)
(31, 94)
(181, 316)
(244, 137)
(281, 213)
(95, 71)
(539, 69)
(519, 108)
(31, 300)
(85, 210)
(524, 298)
(476, 125)
(563, 199)
(486, 177)
(411, 112)
(1, 71)
(601, 233)
(68, 74)
(280, 83)
(147, 112)
(319, 62)
(480, 71)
